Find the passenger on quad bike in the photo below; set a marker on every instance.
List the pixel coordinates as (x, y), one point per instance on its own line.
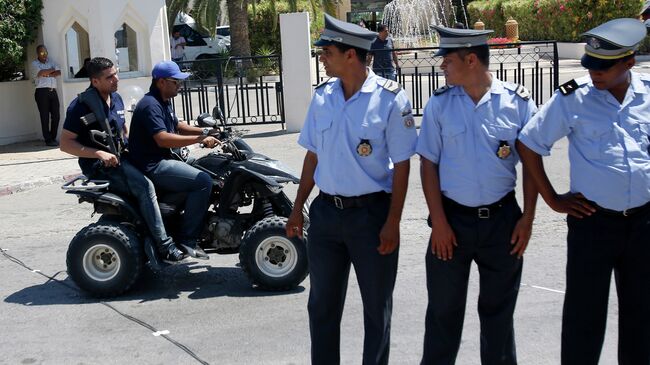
(95, 131)
(154, 131)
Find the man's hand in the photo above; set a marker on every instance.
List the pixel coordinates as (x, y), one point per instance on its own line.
(572, 204)
(210, 141)
(521, 235)
(295, 223)
(108, 159)
(389, 237)
(443, 241)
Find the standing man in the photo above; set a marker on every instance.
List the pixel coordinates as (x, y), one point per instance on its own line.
(154, 131)
(382, 56)
(101, 101)
(178, 46)
(44, 73)
(360, 135)
(606, 117)
(468, 160)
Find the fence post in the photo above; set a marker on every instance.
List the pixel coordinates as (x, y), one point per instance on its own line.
(296, 76)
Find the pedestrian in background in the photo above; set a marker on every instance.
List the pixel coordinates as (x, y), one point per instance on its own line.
(44, 73)
(382, 56)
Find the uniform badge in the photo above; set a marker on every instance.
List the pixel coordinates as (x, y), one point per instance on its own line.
(364, 148)
(409, 122)
(593, 42)
(504, 150)
(406, 112)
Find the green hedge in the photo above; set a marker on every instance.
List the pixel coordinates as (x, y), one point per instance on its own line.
(19, 22)
(562, 20)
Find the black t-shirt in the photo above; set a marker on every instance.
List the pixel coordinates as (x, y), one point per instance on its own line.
(382, 52)
(73, 123)
(151, 116)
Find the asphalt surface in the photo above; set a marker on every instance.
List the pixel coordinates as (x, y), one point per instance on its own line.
(207, 311)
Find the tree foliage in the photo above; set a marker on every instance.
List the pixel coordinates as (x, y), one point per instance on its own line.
(19, 22)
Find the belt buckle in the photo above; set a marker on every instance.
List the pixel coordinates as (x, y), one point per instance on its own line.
(338, 202)
(484, 213)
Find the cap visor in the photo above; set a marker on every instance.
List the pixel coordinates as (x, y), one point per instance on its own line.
(443, 51)
(181, 75)
(322, 43)
(593, 63)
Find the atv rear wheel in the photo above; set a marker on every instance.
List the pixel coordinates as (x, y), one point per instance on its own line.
(105, 259)
(270, 259)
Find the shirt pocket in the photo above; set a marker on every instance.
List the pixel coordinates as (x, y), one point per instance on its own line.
(596, 140)
(453, 136)
(373, 133)
(323, 130)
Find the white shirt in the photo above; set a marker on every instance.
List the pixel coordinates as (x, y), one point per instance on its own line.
(177, 52)
(43, 81)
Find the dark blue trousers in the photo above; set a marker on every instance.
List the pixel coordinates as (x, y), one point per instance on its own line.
(338, 238)
(487, 242)
(598, 245)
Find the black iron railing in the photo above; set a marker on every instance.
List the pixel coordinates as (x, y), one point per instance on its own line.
(531, 64)
(248, 90)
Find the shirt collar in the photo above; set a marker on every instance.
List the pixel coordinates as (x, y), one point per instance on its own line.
(369, 85)
(636, 84)
(495, 88)
(153, 91)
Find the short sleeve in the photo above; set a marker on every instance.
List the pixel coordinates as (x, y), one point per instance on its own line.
(154, 119)
(401, 136)
(547, 126)
(307, 134)
(73, 116)
(430, 141)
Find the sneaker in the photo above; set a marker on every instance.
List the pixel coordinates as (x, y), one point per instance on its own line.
(196, 251)
(173, 254)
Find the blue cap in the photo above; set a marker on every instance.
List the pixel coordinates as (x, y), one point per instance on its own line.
(166, 69)
(453, 38)
(345, 33)
(609, 42)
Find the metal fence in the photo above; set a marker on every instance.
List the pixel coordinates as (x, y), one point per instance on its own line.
(248, 90)
(531, 64)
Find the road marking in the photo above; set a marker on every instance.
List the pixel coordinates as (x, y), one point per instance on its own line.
(543, 288)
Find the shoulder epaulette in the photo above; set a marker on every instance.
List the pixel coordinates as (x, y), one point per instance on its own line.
(323, 83)
(569, 87)
(442, 90)
(390, 85)
(518, 89)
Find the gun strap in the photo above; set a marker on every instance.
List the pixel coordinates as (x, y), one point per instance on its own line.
(94, 102)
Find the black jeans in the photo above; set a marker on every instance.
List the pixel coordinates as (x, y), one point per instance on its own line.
(339, 238)
(47, 101)
(485, 241)
(598, 245)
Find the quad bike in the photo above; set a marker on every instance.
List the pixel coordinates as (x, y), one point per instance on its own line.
(247, 215)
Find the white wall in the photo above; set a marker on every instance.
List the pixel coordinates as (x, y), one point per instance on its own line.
(296, 61)
(100, 18)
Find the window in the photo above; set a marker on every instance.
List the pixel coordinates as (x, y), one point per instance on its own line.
(77, 49)
(126, 49)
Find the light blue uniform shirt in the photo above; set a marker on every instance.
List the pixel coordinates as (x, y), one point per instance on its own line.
(463, 138)
(334, 128)
(608, 141)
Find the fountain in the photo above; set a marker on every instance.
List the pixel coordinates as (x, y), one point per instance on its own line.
(409, 20)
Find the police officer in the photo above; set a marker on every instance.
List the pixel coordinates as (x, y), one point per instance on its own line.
(154, 131)
(99, 163)
(467, 148)
(606, 117)
(357, 124)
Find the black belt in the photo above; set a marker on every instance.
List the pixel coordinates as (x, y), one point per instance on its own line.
(623, 213)
(345, 202)
(46, 89)
(482, 211)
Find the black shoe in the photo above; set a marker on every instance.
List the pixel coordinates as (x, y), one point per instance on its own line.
(173, 254)
(195, 251)
(51, 144)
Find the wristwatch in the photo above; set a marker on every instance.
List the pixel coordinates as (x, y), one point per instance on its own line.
(205, 131)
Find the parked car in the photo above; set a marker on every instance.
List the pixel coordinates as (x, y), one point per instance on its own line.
(201, 46)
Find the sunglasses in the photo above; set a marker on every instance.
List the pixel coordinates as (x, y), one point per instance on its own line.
(175, 81)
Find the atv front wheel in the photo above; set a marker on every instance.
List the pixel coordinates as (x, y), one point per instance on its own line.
(105, 259)
(270, 259)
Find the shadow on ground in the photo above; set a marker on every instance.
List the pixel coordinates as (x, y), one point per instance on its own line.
(200, 281)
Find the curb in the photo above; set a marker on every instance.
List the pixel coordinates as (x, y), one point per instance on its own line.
(32, 184)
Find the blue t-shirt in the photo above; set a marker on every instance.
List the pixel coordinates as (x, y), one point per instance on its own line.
(76, 110)
(382, 52)
(152, 115)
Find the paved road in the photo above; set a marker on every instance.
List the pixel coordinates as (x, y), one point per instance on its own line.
(212, 313)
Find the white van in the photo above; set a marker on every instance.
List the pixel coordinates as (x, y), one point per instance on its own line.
(199, 45)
